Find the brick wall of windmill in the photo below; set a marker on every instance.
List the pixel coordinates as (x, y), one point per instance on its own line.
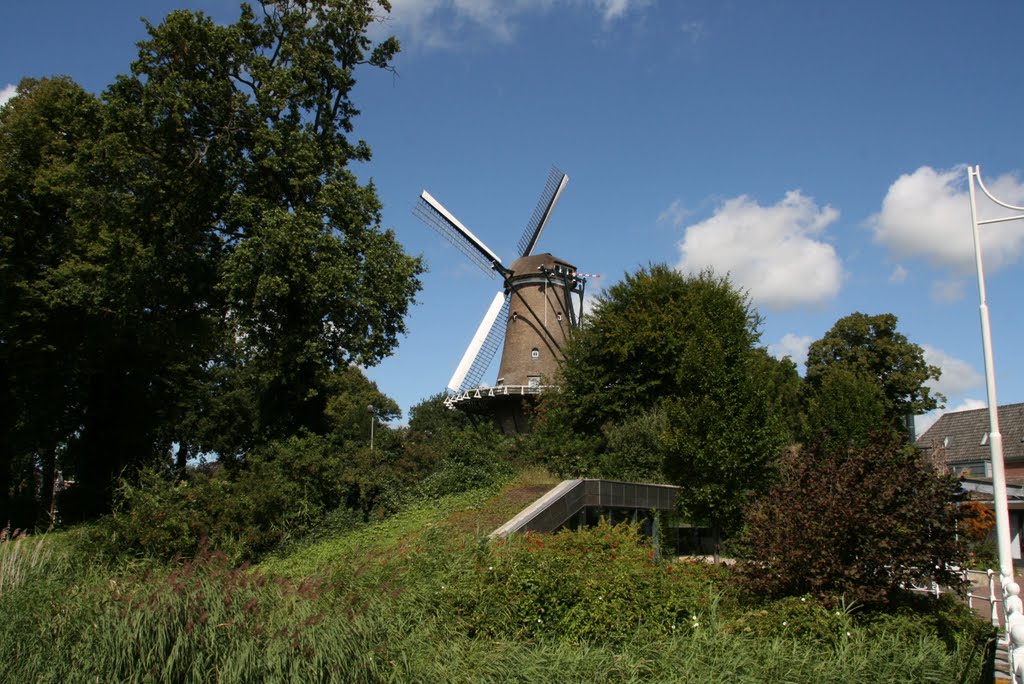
(538, 322)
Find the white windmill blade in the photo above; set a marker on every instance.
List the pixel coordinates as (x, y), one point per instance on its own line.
(542, 212)
(431, 212)
(482, 347)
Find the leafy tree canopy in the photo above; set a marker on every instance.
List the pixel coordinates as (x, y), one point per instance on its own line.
(193, 245)
(845, 408)
(870, 346)
(656, 334)
(431, 417)
(668, 365)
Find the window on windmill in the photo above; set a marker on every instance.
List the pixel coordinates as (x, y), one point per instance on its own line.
(558, 315)
(515, 316)
(535, 353)
(533, 380)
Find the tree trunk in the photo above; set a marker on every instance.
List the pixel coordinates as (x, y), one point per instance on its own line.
(181, 460)
(716, 542)
(46, 513)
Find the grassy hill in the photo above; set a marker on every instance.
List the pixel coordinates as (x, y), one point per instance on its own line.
(423, 596)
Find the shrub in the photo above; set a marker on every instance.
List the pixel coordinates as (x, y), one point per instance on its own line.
(279, 493)
(798, 617)
(596, 584)
(859, 523)
(472, 458)
(915, 616)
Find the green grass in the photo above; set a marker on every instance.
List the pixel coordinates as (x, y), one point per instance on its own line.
(373, 540)
(415, 598)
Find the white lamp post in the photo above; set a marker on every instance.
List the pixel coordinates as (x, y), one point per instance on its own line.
(1013, 610)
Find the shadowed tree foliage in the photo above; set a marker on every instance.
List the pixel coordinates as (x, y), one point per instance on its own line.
(846, 408)
(634, 447)
(858, 523)
(668, 364)
(784, 386)
(871, 347)
(42, 351)
(209, 259)
(431, 417)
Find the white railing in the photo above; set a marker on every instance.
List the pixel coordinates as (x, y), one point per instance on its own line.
(498, 391)
(983, 594)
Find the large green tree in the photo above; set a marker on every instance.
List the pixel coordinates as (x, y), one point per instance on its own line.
(862, 347)
(209, 251)
(42, 352)
(670, 361)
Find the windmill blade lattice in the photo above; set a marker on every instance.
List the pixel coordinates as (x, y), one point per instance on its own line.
(549, 197)
(431, 212)
(485, 354)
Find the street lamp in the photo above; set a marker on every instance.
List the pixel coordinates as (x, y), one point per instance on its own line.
(1013, 610)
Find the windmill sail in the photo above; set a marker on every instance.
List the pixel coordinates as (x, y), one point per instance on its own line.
(482, 347)
(430, 211)
(549, 197)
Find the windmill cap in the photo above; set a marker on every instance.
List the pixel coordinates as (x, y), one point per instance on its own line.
(535, 262)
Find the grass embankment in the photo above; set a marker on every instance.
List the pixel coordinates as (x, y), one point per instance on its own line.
(424, 597)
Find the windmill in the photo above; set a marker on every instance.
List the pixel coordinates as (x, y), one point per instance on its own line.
(530, 317)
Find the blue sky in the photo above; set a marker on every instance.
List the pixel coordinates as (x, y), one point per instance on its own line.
(815, 151)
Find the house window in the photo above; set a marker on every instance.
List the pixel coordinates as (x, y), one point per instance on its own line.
(535, 353)
(984, 439)
(971, 469)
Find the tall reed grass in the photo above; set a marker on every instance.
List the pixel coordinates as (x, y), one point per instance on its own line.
(20, 558)
(383, 613)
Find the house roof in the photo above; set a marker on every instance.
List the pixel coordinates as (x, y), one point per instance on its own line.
(961, 436)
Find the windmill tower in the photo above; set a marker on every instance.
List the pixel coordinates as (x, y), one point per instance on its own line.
(531, 317)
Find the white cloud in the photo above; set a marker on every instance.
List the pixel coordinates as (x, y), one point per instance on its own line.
(793, 346)
(694, 30)
(7, 92)
(947, 291)
(899, 274)
(957, 377)
(674, 214)
(774, 252)
(614, 9)
(927, 214)
(445, 23)
(925, 421)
